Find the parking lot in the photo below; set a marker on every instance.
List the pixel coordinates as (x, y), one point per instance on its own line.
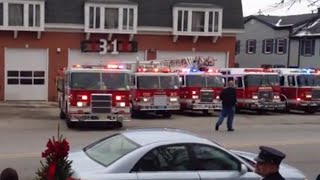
(25, 131)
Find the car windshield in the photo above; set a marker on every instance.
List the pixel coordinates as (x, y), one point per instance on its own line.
(108, 150)
(308, 80)
(98, 81)
(261, 80)
(204, 81)
(158, 82)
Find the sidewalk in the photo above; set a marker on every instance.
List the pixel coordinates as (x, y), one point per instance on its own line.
(29, 104)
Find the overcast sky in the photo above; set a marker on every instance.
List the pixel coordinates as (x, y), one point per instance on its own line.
(252, 7)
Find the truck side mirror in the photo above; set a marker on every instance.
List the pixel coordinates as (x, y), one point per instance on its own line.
(244, 169)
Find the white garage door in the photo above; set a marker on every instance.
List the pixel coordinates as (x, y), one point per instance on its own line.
(222, 58)
(78, 57)
(26, 72)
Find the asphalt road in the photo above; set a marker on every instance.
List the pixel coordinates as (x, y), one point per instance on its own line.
(25, 131)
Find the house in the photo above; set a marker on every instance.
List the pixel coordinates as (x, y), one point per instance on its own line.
(38, 37)
(279, 41)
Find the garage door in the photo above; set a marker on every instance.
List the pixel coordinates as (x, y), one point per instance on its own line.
(221, 58)
(26, 72)
(78, 57)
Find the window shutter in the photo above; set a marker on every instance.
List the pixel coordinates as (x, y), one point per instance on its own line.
(255, 46)
(271, 51)
(247, 46)
(301, 47)
(285, 46)
(263, 46)
(313, 46)
(276, 46)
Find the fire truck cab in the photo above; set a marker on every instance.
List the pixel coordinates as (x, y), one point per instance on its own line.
(155, 89)
(257, 88)
(300, 88)
(94, 94)
(199, 90)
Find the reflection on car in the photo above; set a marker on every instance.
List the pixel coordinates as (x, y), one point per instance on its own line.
(158, 154)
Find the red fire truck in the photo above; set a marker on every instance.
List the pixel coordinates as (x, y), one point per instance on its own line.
(155, 89)
(199, 90)
(257, 88)
(300, 88)
(94, 94)
(200, 83)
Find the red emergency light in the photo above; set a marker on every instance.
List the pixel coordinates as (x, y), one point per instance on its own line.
(163, 70)
(259, 70)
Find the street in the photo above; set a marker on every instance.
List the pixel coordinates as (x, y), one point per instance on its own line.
(25, 131)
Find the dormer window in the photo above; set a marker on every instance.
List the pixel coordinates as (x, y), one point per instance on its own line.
(110, 18)
(22, 15)
(197, 19)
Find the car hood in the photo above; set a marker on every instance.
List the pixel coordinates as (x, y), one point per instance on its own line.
(286, 170)
(83, 165)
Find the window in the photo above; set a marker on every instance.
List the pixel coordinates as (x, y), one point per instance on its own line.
(166, 158)
(34, 15)
(16, 12)
(198, 21)
(26, 77)
(281, 46)
(1, 14)
(181, 80)
(211, 158)
(291, 81)
(307, 47)
(251, 46)
(201, 21)
(267, 46)
(237, 47)
(239, 82)
(106, 17)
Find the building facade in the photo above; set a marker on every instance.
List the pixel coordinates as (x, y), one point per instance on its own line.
(278, 41)
(39, 37)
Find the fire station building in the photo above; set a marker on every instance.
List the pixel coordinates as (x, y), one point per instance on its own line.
(38, 37)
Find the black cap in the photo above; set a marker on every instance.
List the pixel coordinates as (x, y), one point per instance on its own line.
(270, 155)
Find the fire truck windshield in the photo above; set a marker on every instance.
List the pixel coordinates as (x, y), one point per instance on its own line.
(158, 82)
(261, 80)
(99, 81)
(204, 81)
(308, 80)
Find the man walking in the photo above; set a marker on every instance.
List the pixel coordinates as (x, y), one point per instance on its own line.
(229, 100)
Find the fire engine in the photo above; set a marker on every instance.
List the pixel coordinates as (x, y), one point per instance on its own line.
(155, 89)
(94, 93)
(200, 83)
(300, 88)
(257, 88)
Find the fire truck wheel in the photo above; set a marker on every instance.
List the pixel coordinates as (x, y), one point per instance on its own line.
(71, 124)
(206, 112)
(119, 125)
(167, 114)
(62, 115)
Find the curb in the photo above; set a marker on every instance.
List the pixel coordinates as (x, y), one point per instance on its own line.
(22, 105)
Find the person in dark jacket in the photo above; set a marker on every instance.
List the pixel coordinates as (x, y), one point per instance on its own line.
(268, 163)
(9, 174)
(229, 100)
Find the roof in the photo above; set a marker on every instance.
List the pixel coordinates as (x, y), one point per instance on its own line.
(72, 11)
(249, 71)
(282, 21)
(149, 136)
(295, 71)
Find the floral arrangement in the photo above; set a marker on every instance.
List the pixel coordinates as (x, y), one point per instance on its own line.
(56, 166)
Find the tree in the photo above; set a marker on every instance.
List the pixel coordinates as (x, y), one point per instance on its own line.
(56, 166)
(311, 2)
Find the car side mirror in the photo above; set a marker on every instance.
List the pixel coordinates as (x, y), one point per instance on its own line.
(244, 169)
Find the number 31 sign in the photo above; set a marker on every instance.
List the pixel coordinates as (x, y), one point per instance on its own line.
(103, 46)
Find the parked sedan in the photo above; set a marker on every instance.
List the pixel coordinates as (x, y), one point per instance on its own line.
(158, 154)
(287, 171)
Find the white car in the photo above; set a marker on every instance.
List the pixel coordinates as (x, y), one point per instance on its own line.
(158, 154)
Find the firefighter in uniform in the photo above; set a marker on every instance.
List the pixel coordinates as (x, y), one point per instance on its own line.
(268, 163)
